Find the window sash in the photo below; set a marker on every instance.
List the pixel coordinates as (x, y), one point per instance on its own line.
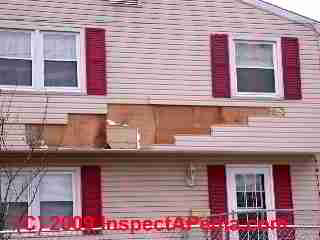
(261, 61)
(30, 33)
(73, 51)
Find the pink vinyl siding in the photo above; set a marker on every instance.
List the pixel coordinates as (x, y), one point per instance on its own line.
(154, 187)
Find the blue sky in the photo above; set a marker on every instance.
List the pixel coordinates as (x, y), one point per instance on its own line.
(308, 8)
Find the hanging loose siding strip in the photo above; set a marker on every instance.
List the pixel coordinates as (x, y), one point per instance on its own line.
(220, 66)
(96, 61)
(291, 68)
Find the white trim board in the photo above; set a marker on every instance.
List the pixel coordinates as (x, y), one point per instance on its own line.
(282, 12)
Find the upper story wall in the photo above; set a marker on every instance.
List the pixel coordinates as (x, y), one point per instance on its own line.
(159, 51)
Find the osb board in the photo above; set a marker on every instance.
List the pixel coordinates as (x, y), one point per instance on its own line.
(159, 123)
(173, 120)
(82, 130)
(136, 116)
(241, 114)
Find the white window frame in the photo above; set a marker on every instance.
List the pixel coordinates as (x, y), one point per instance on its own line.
(277, 61)
(231, 171)
(34, 208)
(37, 57)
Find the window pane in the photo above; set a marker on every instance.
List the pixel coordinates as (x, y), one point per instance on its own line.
(59, 46)
(241, 201)
(250, 182)
(60, 74)
(15, 72)
(240, 185)
(49, 209)
(56, 187)
(260, 182)
(255, 80)
(16, 211)
(17, 189)
(15, 44)
(250, 199)
(254, 55)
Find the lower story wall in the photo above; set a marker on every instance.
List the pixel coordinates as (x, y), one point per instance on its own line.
(155, 187)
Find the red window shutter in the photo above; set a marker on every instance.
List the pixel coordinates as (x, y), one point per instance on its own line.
(283, 199)
(220, 66)
(291, 68)
(96, 61)
(91, 194)
(217, 196)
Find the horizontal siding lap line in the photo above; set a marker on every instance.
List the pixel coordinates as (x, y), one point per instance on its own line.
(240, 147)
(259, 131)
(251, 142)
(259, 135)
(281, 120)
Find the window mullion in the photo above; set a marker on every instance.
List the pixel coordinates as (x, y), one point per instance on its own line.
(78, 59)
(38, 79)
(276, 72)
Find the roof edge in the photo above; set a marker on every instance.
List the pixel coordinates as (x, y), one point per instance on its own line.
(291, 15)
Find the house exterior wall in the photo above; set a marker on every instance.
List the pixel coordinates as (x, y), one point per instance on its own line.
(158, 53)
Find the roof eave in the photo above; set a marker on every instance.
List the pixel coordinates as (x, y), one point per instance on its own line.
(282, 12)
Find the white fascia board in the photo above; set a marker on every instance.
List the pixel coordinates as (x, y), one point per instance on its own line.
(281, 12)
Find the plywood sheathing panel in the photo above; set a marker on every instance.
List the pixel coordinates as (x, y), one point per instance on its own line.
(240, 115)
(85, 130)
(136, 116)
(159, 124)
(175, 120)
(82, 130)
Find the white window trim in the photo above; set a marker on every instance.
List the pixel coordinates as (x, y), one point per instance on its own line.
(34, 208)
(277, 59)
(38, 64)
(231, 170)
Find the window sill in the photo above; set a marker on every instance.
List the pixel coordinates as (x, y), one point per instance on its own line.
(257, 97)
(31, 91)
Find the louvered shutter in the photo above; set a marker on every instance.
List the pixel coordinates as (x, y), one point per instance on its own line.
(96, 61)
(220, 66)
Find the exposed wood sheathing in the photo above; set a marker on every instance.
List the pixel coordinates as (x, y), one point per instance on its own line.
(159, 124)
(82, 130)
